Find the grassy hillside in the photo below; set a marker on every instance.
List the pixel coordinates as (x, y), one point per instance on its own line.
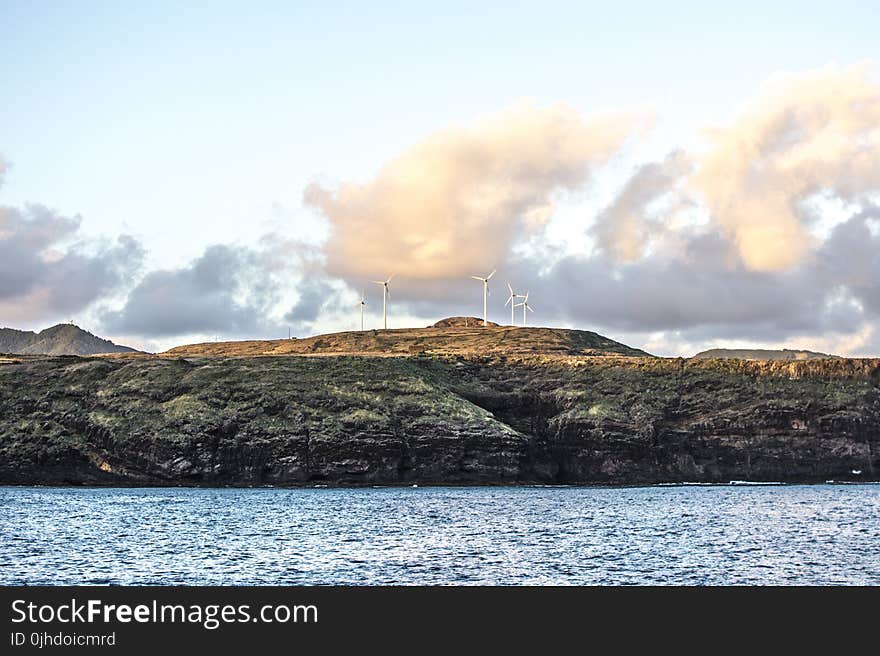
(444, 341)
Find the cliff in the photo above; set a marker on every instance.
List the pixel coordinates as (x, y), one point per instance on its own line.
(477, 419)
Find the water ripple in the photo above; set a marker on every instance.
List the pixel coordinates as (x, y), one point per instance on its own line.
(826, 534)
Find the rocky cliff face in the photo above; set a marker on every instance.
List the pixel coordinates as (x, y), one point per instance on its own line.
(360, 420)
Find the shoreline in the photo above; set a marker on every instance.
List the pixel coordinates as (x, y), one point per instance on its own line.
(448, 486)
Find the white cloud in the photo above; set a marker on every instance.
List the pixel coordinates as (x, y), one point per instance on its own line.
(453, 203)
(804, 134)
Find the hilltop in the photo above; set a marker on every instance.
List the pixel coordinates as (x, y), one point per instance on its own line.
(461, 322)
(764, 354)
(456, 340)
(62, 339)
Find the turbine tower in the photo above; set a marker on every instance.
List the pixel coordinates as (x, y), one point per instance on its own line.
(511, 300)
(525, 306)
(485, 282)
(362, 303)
(386, 294)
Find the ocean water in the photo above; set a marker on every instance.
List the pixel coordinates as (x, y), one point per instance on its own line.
(822, 534)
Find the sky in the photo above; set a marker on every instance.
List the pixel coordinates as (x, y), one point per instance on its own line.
(676, 176)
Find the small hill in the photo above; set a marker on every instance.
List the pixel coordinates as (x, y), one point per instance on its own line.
(461, 322)
(764, 354)
(443, 341)
(63, 339)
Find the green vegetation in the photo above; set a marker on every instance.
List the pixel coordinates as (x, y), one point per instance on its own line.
(453, 405)
(359, 420)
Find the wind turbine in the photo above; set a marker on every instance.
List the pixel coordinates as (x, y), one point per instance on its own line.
(525, 306)
(512, 301)
(485, 282)
(362, 303)
(386, 294)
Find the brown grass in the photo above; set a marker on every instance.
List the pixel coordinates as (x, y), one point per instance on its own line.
(446, 341)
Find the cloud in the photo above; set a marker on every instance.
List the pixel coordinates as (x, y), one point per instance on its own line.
(733, 241)
(703, 292)
(663, 293)
(453, 203)
(219, 291)
(804, 134)
(712, 242)
(625, 227)
(750, 267)
(315, 296)
(232, 291)
(46, 272)
(850, 258)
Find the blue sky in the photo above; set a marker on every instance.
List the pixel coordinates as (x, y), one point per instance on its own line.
(138, 114)
(192, 124)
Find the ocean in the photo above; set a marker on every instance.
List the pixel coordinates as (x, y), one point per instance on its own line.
(702, 535)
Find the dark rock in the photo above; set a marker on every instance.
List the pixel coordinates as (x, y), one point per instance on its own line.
(351, 420)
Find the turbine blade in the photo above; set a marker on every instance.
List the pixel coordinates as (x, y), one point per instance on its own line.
(491, 274)
(390, 278)
(509, 299)
(510, 288)
(529, 308)
(477, 278)
(378, 282)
